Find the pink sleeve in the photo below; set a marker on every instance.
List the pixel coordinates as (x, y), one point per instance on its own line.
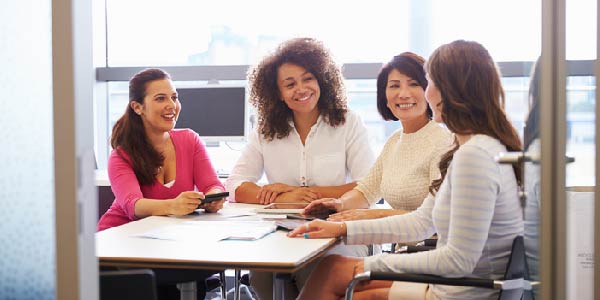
(205, 177)
(123, 182)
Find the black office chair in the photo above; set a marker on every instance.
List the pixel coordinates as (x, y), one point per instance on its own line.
(128, 284)
(515, 284)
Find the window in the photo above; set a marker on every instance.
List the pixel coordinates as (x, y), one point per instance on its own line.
(192, 33)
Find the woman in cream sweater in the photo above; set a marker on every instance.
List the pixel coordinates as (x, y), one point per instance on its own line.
(409, 160)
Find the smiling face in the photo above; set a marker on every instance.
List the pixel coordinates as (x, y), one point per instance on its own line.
(161, 107)
(298, 88)
(406, 100)
(434, 98)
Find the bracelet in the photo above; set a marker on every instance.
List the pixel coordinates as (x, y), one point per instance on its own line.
(344, 228)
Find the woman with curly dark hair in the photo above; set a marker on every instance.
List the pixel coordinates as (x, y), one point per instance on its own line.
(307, 142)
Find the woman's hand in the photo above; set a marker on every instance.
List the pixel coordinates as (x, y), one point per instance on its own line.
(269, 192)
(319, 229)
(213, 206)
(301, 194)
(356, 214)
(364, 214)
(323, 205)
(185, 203)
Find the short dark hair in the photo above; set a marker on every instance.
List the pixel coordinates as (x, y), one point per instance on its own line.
(407, 63)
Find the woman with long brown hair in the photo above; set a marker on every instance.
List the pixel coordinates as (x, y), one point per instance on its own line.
(155, 169)
(474, 207)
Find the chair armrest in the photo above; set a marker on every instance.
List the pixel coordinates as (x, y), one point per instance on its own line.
(414, 249)
(423, 278)
(430, 242)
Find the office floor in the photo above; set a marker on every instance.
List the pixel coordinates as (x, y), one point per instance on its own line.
(246, 292)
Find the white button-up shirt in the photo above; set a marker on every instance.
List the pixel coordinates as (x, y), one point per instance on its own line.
(330, 156)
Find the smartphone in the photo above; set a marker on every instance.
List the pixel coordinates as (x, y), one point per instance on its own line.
(213, 197)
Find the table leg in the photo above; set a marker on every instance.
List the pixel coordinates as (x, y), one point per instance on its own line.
(223, 285)
(236, 291)
(188, 290)
(278, 287)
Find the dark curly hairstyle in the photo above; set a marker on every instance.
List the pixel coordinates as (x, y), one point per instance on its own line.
(273, 114)
(129, 135)
(472, 98)
(409, 64)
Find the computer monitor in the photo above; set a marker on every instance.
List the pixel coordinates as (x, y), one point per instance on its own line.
(216, 113)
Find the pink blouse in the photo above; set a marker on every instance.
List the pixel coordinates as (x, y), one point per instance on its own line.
(194, 171)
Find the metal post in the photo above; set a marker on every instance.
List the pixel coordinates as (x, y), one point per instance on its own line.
(553, 137)
(597, 142)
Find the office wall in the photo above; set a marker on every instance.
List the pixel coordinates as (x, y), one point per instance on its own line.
(27, 244)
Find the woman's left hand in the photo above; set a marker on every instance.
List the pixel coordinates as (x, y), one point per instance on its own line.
(269, 192)
(355, 214)
(214, 206)
(319, 229)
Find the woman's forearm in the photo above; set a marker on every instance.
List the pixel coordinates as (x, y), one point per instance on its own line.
(333, 191)
(353, 199)
(246, 192)
(152, 207)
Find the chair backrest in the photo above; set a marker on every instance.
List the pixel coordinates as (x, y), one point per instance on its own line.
(515, 269)
(128, 284)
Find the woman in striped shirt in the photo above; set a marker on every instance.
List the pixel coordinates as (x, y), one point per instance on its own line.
(474, 207)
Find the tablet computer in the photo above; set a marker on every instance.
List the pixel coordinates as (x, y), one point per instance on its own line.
(282, 208)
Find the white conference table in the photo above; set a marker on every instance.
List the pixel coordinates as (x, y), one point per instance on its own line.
(275, 252)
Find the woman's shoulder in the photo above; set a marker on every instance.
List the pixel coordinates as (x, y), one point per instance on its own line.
(439, 137)
(391, 142)
(351, 119)
(118, 154)
(185, 136)
(352, 116)
(483, 145)
(182, 133)
(438, 131)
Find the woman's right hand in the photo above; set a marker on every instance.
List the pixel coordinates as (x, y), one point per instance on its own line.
(269, 192)
(301, 194)
(356, 214)
(319, 229)
(185, 203)
(323, 205)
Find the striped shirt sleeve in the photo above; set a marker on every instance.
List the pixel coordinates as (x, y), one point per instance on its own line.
(464, 208)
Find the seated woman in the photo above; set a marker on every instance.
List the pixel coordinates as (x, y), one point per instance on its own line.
(410, 157)
(155, 169)
(474, 207)
(307, 142)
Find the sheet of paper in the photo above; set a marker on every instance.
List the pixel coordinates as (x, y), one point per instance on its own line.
(211, 230)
